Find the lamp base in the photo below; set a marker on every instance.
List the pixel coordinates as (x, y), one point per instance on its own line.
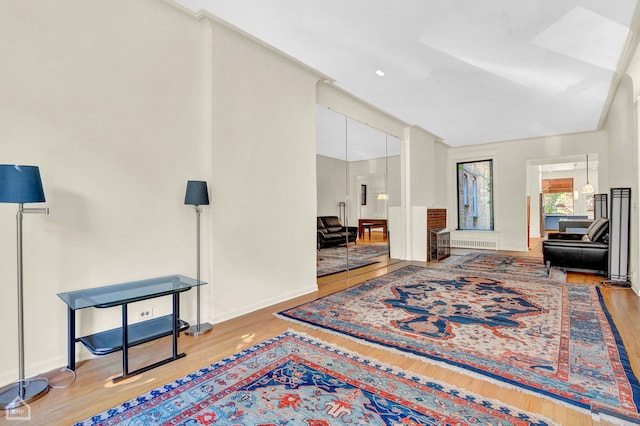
(196, 330)
(610, 283)
(12, 397)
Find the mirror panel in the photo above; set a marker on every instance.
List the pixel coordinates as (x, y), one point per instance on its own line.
(331, 178)
(367, 196)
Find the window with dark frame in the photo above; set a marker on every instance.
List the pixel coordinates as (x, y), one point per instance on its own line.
(475, 200)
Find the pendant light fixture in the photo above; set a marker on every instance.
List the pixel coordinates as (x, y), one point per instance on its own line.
(587, 188)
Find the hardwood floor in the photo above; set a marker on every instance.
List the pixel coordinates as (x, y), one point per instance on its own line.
(93, 392)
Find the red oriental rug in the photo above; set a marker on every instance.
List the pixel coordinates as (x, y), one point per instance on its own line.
(550, 338)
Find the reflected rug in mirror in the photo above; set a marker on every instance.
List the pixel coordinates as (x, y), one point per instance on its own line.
(328, 265)
(547, 337)
(334, 259)
(527, 266)
(294, 379)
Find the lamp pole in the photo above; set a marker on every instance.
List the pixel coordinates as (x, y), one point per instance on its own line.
(198, 211)
(23, 391)
(20, 304)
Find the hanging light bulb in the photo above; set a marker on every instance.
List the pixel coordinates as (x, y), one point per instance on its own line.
(587, 188)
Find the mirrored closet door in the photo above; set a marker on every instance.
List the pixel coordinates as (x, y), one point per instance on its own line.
(358, 178)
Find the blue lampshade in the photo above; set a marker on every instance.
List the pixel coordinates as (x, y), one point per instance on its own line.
(197, 194)
(20, 184)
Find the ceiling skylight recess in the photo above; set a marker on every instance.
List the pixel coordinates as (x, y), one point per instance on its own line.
(584, 35)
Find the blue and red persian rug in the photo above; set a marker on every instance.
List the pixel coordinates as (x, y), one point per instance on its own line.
(551, 338)
(294, 379)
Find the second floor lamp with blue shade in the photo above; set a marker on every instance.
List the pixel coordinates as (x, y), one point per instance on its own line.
(197, 195)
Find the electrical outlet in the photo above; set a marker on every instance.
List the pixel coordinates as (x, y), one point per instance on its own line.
(146, 313)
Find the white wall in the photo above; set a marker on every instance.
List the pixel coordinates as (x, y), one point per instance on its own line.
(263, 176)
(120, 103)
(510, 179)
(622, 128)
(108, 103)
(423, 186)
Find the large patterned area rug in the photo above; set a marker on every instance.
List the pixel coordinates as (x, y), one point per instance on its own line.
(543, 336)
(294, 379)
(334, 259)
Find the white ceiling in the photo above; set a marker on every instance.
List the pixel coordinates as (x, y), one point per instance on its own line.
(469, 71)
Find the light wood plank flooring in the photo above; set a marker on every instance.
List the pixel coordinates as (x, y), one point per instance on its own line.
(93, 391)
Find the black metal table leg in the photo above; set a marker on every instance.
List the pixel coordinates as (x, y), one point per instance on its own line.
(174, 322)
(125, 342)
(71, 339)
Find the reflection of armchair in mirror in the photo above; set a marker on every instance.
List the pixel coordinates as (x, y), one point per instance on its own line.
(331, 232)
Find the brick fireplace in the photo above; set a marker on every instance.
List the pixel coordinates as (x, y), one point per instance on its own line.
(436, 219)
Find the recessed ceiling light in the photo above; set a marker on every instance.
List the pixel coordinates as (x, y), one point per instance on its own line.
(380, 73)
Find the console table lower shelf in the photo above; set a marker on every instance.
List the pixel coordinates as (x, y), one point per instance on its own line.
(109, 341)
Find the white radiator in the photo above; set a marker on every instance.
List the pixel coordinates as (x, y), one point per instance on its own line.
(477, 244)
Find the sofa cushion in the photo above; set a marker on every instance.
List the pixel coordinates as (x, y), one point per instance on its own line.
(332, 222)
(598, 229)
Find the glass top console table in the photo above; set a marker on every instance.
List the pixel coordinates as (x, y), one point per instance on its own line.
(128, 335)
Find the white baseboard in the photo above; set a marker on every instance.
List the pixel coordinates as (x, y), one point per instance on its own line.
(264, 304)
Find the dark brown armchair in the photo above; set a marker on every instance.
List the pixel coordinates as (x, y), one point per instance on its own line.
(331, 232)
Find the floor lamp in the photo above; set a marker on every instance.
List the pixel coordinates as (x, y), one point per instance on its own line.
(197, 195)
(20, 185)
